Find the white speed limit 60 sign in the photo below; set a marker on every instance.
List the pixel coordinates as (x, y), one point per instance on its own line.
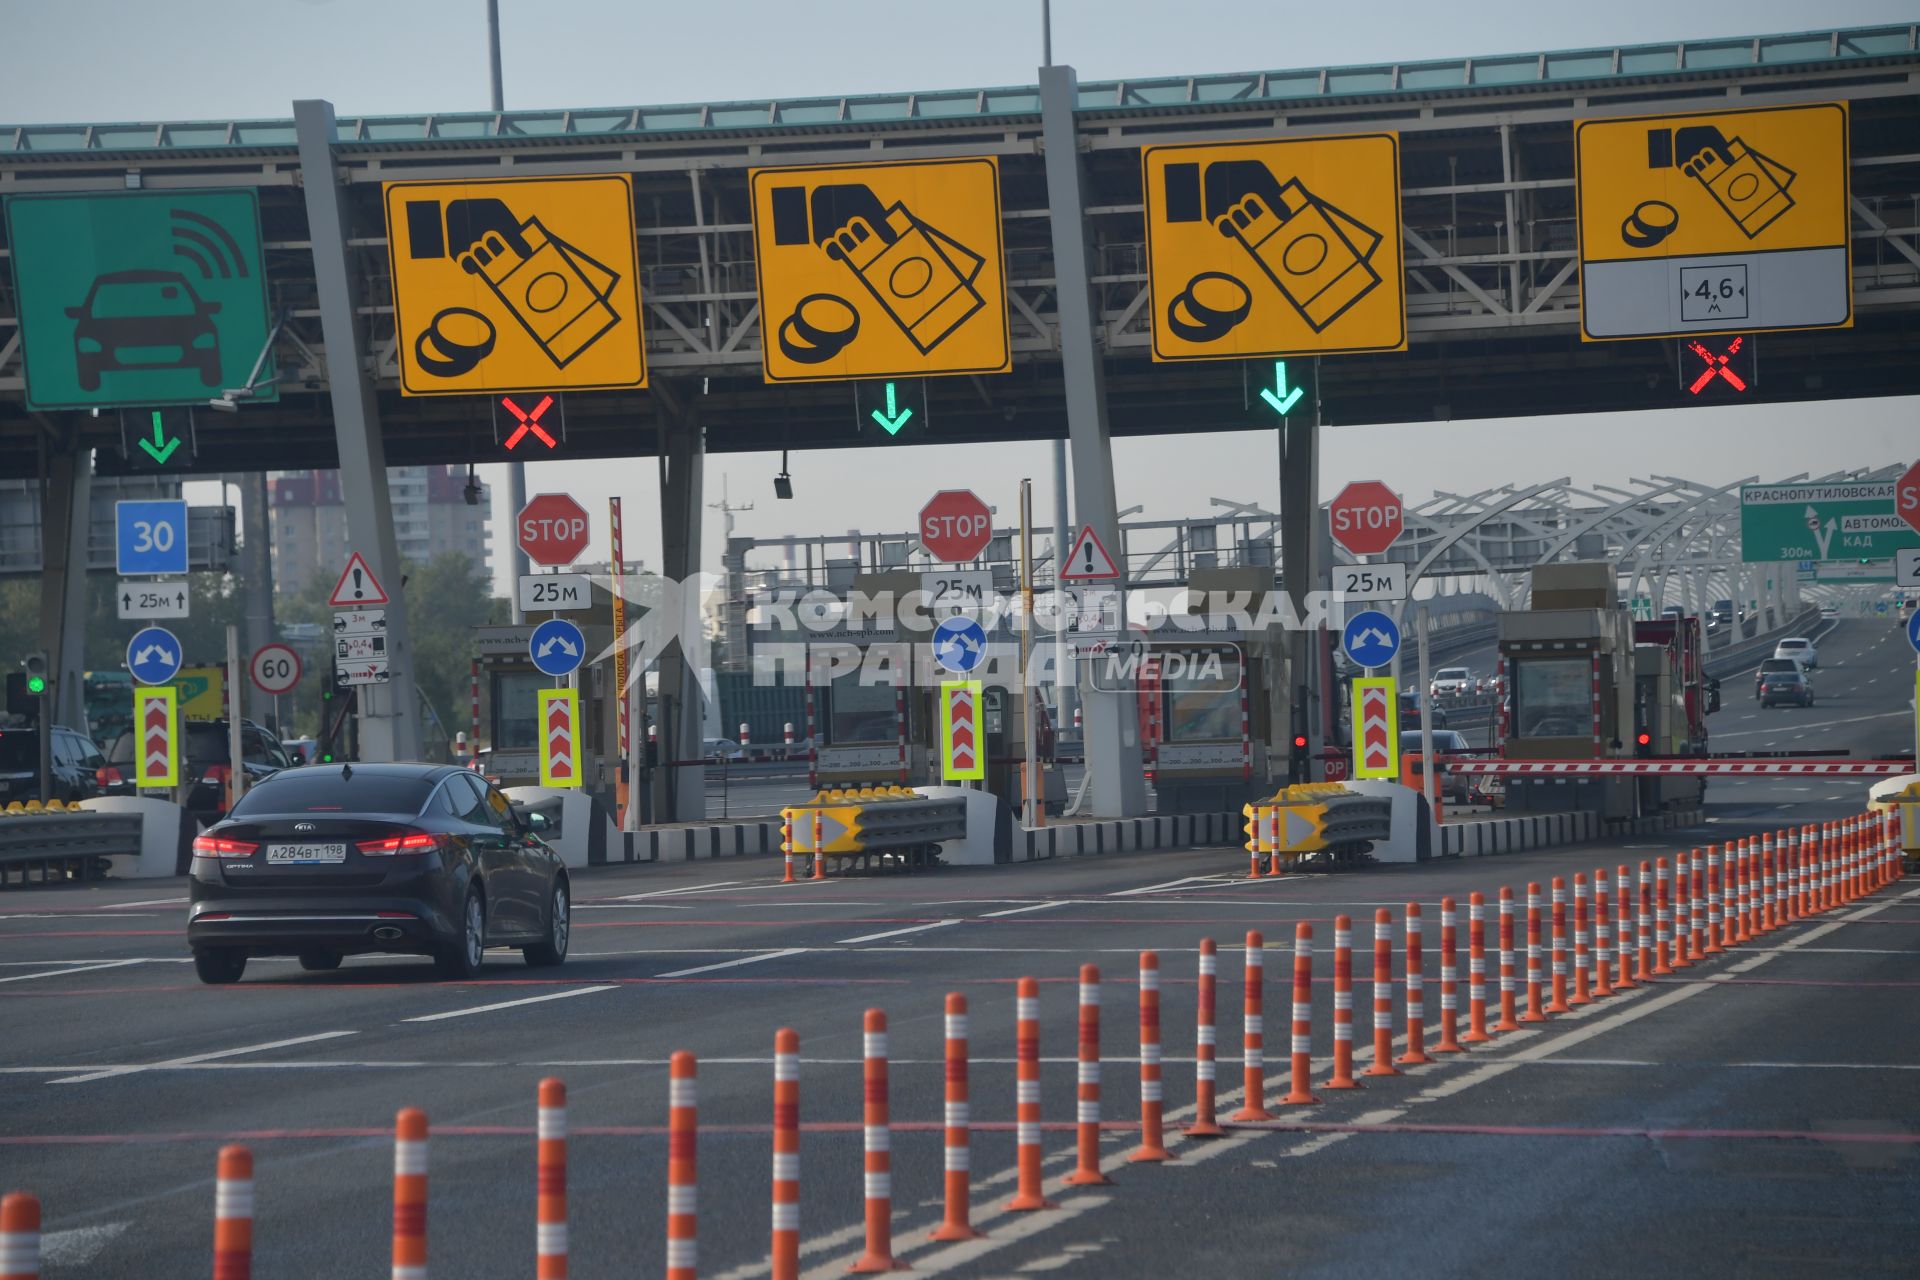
(275, 668)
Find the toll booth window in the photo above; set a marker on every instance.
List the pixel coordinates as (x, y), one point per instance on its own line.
(1204, 704)
(1553, 698)
(515, 716)
(862, 713)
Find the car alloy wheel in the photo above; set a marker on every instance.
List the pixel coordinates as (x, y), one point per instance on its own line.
(559, 931)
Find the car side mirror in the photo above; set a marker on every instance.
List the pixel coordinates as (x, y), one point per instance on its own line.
(537, 822)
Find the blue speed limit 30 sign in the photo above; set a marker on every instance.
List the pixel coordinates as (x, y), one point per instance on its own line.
(151, 537)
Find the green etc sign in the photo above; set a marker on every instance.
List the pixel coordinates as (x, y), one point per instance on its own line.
(138, 298)
(1821, 521)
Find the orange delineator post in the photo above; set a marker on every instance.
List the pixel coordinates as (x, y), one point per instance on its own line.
(1768, 906)
(409, 1195)
(1509, 970)
(1582, 945)
(1625, 939)
(1602, 936)
(1253, 1052)
(683, 1181)
(1273, 832)
(1476, 969)
(784, 1253)
(1745, 930)
(1026, 1051)
(233, 1216)
(819, 859)
(1663, 919)
(1682, 909)
(1153, 1141)
(19, 1236)
(1206, 1039)
(1697, 907)
(1644, 957)
(786, 849)
(1449, 980)
(1536, 970)
(1086, 1120)
(1383, 995)
(550, 1183)
(1301, 1045)
(1342, 1077)
(1416, 992)
(1823, 899)
(1716, 917)
(956, 1156)
(1803, 847)
(877, 1143)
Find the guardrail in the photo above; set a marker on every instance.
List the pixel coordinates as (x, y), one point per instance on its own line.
(55, 843)
(1735, 657)
(896, 825)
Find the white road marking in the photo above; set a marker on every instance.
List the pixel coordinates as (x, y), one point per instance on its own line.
(897, 933)
(150, 902)
(685, 888)
(1817, 724)
(732, 964)
(1015, 911)
(966, 1251)
(77, 1246)
(61, 973)
(196, 1058)
(513, 1004)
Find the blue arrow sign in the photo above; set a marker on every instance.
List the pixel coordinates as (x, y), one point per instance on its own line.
(1371, 639)
(959, 644)
(1913, 631)
(151, 537)
(153, 655)
(557, 646)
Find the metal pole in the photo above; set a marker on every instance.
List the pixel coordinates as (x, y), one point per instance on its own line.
(1065, 694)
(236, 757)
(1046, 33)
(1422, 622)
(516, 470)
(1029, 773)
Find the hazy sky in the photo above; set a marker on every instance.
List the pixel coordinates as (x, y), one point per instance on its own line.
(115, 60)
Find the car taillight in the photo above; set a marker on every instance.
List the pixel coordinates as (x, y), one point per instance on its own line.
(221, 847)
(217, 775)
(418, 842)
(107, 776)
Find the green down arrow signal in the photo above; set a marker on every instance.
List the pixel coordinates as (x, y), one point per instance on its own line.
(1280, 398)
(895, 417)
(160, 448)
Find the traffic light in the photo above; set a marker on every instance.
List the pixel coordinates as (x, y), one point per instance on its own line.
(37, 674)
(1643, 744)
(1297, 758)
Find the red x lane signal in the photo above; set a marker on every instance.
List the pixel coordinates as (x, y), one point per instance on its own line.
(1718, 368)
(528, 421)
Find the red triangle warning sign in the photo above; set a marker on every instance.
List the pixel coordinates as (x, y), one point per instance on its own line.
(357, 588)
(1088, 560)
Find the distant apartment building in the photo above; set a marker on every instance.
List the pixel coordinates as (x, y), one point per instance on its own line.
(431, 516)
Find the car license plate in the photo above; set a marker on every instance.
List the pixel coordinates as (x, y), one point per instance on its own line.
(284, 853)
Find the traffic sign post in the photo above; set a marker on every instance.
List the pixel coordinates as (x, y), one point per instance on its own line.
(892, 270)
(557, 647)
(959, 644)
(1371, 639)
(150, 537)
(559, 737)
(1357, 582)
(956, 526)
(552, 529)
(275, 669)
(153, 655)
(1366, 517)
(961, 757)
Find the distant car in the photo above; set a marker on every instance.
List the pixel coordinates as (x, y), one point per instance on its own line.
(300, 750)
(1457, 788)
(144, 320)
(1673, 611)
(1801, 649)
(415, 859)
(207, 762)
(1452, 682)
(1770, 665)
(79, 770)
(1410, 707)
(1828, 613)
(719, 749)
(1781, 687)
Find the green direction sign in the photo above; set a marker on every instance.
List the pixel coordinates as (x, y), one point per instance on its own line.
(1821, 522)
(139, 297)
(890, 406)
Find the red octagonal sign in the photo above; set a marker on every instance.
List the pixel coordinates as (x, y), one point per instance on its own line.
(1365, 518)
(551, 529)
(1906, 496)
(955, 526)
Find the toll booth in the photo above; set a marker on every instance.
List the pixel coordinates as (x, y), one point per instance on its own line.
(1661, 728)
(509, 723)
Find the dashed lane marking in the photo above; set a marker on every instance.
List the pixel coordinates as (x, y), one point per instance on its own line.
(736, 963)
(192, 1059)
(898, 933)
(512, 1004)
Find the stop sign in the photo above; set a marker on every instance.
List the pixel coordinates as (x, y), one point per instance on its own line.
(1906, 496)
(551, 529)
(1365, 517)
(955, 526)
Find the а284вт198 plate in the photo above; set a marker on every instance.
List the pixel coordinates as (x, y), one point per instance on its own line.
(280, 853)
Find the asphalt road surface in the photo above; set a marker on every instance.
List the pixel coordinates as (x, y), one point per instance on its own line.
(1752, 1115)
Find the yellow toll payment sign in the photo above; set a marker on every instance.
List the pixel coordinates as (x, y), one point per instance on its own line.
(1275, 248)
(881, 270)
(515, 284)
(1716, 222)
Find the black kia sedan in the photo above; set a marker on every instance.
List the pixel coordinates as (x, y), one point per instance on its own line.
(415, 859)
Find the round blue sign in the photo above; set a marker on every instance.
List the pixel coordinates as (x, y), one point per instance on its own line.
(1913, 630)
(959, 644)
(153, 655)
(557, 647)
(1371, 638)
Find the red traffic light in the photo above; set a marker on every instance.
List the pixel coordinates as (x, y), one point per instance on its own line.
(1645, 738)
(1299, 741)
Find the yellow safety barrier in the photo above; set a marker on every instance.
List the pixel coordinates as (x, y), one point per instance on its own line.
(1306, 818)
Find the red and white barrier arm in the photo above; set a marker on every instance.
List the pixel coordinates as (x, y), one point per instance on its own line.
(1698, 768)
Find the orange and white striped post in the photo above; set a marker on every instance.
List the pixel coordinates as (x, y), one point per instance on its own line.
(877, 1142)
(1558, 990)
(1509, 969)
(1026, 1052)
(1823, 896)
(683, 1169)
(1449, 979)
(1749, 889)
(1476, 969)
(786, 847)
(1697, 907)
(1086, 1120)
(1153, 1141)
(1253, 1038)
(1804, 845)
(1716, 916)
(1383, 995)
(1206, 1041)
(19, 1236)
(1582, 944)
(550, 1183)
(1768, 904)
(1643, 961)
(409, 1195)
(1856, 859)
(1677, 935)
(1536, 967)
(1301, 1046)
(1416, 992)
(1624, 935)
(1663, 919)
(957, 1164)
(1273, 841)
(819, 859)
(1342, 1077)
(1602, 936)
(233, 1216)
(784, 1253)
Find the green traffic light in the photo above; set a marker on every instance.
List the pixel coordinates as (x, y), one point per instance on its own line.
(36, 685)
(327, 758)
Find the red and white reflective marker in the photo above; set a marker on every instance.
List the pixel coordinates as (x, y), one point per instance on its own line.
(1366, 517)
(552, 529)
(955, 526)
(275, 668)
(559, 711)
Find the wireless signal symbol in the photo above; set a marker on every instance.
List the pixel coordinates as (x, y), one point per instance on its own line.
(206, 244)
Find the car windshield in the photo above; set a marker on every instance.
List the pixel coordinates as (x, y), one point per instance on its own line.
(1784, 677)
(20, 749)
(330, 790)
(1778, 664)
(1451, 673)
(118, 298)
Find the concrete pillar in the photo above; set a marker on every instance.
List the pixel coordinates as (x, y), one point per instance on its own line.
(256, 575)
(389, 714)
(680, 793)
(64, 518)
(1118, 787)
